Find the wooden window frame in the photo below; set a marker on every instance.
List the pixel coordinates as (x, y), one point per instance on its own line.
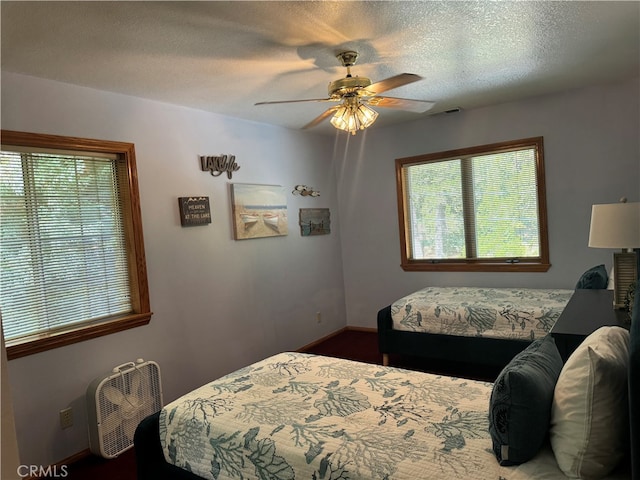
(139, 290)
(536, 264)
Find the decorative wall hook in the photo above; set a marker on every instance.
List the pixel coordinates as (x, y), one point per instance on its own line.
(305, 191)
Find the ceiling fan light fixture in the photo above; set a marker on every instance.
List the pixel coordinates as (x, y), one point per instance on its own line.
(366, 115)
(352, 116)
(356, 96)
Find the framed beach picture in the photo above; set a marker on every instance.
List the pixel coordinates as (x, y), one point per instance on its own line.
(258, 211)
(314, 221)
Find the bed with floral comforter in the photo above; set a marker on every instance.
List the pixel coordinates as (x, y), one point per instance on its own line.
(524, 313)
(343, 420)
(484, 326)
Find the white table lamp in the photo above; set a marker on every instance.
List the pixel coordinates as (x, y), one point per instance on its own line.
(617, 225)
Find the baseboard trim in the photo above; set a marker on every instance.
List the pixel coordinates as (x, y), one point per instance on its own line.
(362, 329)
(337, 332)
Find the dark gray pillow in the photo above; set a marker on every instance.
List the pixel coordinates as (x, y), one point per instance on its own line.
(520, 405)
(595, 277)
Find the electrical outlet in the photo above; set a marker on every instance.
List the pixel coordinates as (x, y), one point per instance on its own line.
(66, 418)
(318, 317)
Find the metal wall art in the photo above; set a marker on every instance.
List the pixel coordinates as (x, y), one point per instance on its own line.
(219, 164)
(258, 211)
(305, 191)
(314, 221)
(194, 211)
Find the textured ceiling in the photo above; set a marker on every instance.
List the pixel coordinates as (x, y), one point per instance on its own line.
(225, 56)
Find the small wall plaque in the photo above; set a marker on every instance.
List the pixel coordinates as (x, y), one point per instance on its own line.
(315, 221)
(194, 211)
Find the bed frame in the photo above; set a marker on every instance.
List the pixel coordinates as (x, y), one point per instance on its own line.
(150, 462)
(152, 466)
(490, 352)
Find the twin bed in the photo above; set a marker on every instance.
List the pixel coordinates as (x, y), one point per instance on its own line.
(486, 326)
(301, 416)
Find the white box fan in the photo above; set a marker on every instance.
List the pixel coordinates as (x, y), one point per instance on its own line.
(118, 402)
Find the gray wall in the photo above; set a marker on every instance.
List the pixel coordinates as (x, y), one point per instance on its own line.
(220, 304)
(592, 155)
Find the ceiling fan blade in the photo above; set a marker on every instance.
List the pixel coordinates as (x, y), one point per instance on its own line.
(418, 106)
(392, 82)
(297, 101)
(320, 118)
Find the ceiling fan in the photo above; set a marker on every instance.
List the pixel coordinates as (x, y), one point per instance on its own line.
(357, 95)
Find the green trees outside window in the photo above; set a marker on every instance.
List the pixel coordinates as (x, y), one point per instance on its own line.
(71, 247)
(481, 208)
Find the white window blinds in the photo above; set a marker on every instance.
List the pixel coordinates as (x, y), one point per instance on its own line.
(474, 207)
(62, 241)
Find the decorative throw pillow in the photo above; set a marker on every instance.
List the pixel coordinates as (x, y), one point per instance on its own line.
(590, 413)
(520, 405)
(595, 277)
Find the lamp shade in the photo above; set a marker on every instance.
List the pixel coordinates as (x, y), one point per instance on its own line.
(352, 116)
(615, 225)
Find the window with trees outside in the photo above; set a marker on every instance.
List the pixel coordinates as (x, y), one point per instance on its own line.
(71, 244)
(474, 209)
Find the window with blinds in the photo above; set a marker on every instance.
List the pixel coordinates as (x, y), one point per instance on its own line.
(481, 208)
(68, 219)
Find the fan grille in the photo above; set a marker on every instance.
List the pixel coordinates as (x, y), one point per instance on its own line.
(122, 401)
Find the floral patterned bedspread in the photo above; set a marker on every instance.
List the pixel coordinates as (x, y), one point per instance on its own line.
(525, 313)
(301, 416)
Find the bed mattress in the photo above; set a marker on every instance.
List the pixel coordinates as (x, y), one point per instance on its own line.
(300, 416)
(524, 314)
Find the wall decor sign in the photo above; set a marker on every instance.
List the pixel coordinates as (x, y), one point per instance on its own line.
(219, 164)
(305, 191)
(258, 211)
(194, 211)
(314, 221)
